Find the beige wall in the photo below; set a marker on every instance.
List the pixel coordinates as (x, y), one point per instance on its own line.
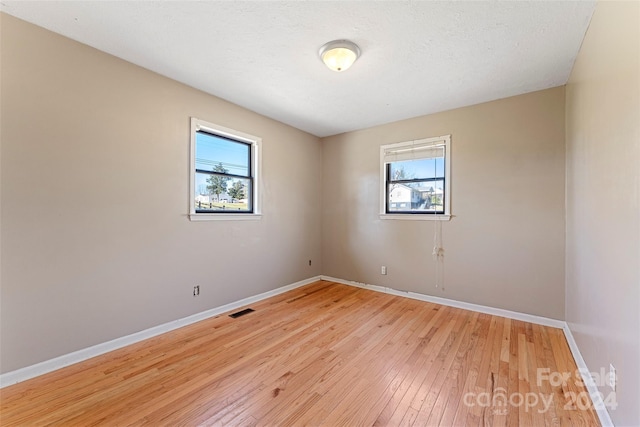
(603, 201)
(96, 243)
(505, 246)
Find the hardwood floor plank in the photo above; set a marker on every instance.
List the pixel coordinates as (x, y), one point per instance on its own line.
(425, 357)
(456, 380)
(434, 386)
(322, 354)
(373, 387)
(472, 367)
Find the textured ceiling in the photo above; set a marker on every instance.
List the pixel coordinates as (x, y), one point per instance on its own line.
(418, 57)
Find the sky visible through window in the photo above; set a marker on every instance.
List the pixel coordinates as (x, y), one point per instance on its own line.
(212, 150)
(418, 169)
(416, 185)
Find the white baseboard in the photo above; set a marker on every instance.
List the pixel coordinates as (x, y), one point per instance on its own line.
(545, 321)
(47, 366)
(600, 408)
(603, 415)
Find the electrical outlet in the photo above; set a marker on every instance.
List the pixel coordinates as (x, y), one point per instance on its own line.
(309, 262)
(196, 290)
(612, 377)
(383, 270)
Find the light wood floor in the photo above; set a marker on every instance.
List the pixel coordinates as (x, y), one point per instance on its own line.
(323, 354)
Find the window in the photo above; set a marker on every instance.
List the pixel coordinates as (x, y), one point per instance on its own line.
(224, 173)
(415, 179)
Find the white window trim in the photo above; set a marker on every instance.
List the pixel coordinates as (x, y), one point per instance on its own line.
(439, 140)
(256, 158)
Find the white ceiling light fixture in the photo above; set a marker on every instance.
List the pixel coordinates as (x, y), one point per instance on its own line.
(339, 55)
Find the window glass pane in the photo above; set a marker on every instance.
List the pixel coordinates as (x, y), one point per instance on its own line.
(421, 196)
(214, 153)
(216, 193)
(417, 169)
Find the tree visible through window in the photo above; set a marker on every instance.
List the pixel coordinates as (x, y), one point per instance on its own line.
(217, 184)
(415, 177)
(417, 185)
(224, 170)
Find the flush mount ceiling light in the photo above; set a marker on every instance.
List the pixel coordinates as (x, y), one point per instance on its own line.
(339, 55)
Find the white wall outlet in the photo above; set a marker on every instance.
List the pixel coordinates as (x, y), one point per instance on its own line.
(196, 290)
(383, 270)
(612, 377)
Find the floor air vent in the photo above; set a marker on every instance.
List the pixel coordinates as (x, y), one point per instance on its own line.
(241, 312)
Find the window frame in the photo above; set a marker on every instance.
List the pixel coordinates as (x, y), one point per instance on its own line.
(444, 141)
(255, 154)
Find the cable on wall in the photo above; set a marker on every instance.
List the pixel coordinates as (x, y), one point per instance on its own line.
(438, 254)
(438, 250)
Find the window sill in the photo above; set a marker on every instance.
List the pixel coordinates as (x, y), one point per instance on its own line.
(224, 217)
(416, 217)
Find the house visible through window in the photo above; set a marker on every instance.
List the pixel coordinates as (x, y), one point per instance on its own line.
(224, 171)
(415, 178)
